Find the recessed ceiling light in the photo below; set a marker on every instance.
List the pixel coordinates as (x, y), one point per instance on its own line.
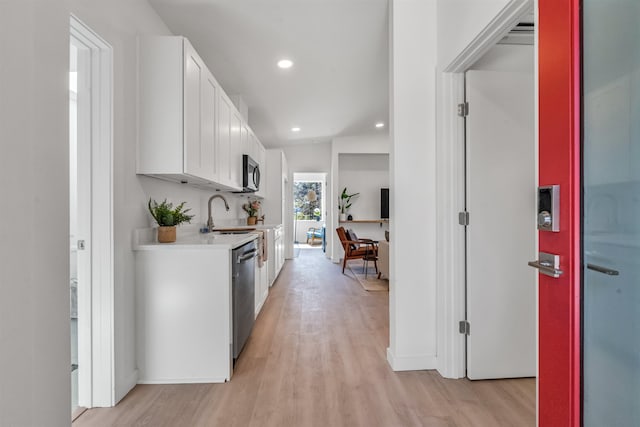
(285, 63)
(379, 125)
(295, 129)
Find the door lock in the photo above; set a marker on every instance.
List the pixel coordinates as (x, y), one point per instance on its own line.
(544, 220)
(549, 208)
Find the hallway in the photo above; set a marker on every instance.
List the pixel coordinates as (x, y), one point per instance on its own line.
(317, 357)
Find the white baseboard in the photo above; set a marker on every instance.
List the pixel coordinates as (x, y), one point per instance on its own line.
(126, 386)
(417, 362)
(258, 309)
(184, 381)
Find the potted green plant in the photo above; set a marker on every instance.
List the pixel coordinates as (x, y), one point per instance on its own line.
(252, 208)
(344, 203)
(168, 218)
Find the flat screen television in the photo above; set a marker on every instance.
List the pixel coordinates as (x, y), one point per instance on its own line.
(384, 203)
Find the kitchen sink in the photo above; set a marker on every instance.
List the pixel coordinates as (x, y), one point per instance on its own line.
(233, 230)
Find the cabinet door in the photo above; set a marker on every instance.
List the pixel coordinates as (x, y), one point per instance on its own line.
(279, 255)
(208, 135)
(261, 288)
(235, 160)
(200, 91)
(253, 144)
(262, 163)
(264, 280)
(224, 139)
(193, 77)
(244, 140)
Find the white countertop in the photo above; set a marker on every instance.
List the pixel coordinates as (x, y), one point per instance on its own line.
(145, 239)
(257, 226)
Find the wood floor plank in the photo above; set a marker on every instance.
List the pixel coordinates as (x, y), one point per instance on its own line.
(317, 357)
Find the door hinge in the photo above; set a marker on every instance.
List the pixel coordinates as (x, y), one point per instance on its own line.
(463, 109)
(463, 218)
(464, 327)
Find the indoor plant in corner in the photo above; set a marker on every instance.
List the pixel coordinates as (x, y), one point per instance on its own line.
(344, 203)
(168, 218)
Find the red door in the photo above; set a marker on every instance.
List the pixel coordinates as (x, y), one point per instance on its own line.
(559, 156)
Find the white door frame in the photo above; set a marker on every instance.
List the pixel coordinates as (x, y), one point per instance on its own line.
(313, 177)
(97, 383)
(450, 154)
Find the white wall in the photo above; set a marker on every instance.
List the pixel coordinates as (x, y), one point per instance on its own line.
(460, 22)
(197, 200)
(35, 356)
(506, 58)
(412, 290)
(365, 174)
(308, 157)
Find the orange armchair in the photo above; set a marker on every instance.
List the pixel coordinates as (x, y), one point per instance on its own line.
(357, 249)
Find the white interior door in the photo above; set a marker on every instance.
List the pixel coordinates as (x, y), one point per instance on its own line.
(80, 132)
(91, 213)
(501, 236)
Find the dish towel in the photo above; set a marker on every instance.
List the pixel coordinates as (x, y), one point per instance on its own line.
(262, 247)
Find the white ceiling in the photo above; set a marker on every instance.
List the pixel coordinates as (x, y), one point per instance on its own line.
(338, 85)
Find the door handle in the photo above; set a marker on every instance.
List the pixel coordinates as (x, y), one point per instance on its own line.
(247, 256)
(547, 264)
(546, 268)
(604, 270)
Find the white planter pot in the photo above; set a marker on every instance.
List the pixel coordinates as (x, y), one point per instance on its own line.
(343, 217)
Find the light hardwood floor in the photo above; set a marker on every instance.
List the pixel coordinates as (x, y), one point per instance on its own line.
(317, 357)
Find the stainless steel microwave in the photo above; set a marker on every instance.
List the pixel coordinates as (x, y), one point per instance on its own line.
(250, 174)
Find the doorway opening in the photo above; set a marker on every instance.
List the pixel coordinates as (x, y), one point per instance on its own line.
(91, 219)
(451, 237)
(500, 197)
(309, 211)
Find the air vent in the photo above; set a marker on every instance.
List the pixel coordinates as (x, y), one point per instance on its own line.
(520, 34)
(523, 27)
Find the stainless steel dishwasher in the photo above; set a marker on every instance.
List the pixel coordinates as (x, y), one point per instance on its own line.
(243, 260)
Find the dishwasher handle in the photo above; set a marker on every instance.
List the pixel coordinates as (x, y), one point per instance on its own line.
(247, 256)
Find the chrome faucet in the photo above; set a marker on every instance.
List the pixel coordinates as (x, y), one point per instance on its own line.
(210, 220)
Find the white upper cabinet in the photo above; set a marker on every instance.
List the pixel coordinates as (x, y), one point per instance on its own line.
(225, 108)
(235, 161)
(190, 130)
(177, 112)
(200, 93)
(230, 127)
(244, 139)
(208, 157)
(252, 146)
(261, 158)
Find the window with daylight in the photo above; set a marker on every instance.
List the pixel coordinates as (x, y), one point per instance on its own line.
(308, 200)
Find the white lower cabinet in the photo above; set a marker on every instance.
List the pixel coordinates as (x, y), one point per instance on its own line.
(183, 315)
(279, 249)
(261, 287)
(276, 253)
